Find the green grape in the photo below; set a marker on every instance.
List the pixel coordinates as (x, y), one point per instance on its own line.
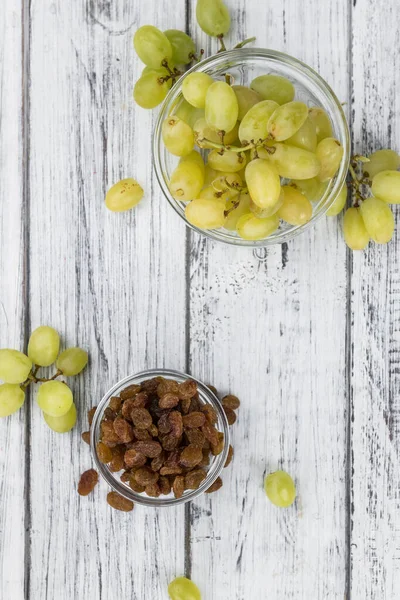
(229, 161)
(382, 160)
(183, 47)
(211, 193)
(124, 195)
(54, 398)
(152, 46)
(182, 588)
(213, 17)
(280, 489)
(292, 162)
(222, 184)
(64, 423)
(210, 175)
(205, 134)
(246, 99)
(72, 361)
(355, 234)
(296, 209)
(177, 136)
(322, 122)
(263, 183)
(11, 399)
(250, 227)
(188, 113)
(194, 157)
(254, 125)
(186, 181)
(263, 213)
(305, 137)
(313, 188)
(274, 87)
(206, 213)
(222, 179)
(330, 153)
(43, 346)
(14, 366)
(378, 219)
(286, 120)
(222, 108)
(150, 90)
(195, 87)
(242, 209)
(386, 186)
(339, 203)
(161, 71)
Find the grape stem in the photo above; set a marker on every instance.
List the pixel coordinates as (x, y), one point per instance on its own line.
(247, 41)
(221, 41)
(223, 147)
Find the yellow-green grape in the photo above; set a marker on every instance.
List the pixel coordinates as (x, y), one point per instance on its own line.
(152, 46)
(124, 195)
(177, 136)
(54, 398)
(229, 161)
(222, 108)
(205, 134)
(280, 489)
(64, 423)
(378, 219)
(213, 17)
(254, 125)
(183, 47)
(355, 234)
(150, 89)
(188, 113)
(186, 180)
(210, 174)
(330, 153)
(322, 122)
(250, 227)
(263, 183)
(14, 366)
(292, 162)
(242, 209)
(313, 188)
(159, 71)
(224, 187)
(246, 98)
(72, 361)
(224, 179)
(195, 157)
(211, 193)
(382, 160)
(43, 346)
(286, 120)
(296, 209)
(182, 588)
(11, 399)
(274, 87)
(206, 213)
(386, 186)
(339, 203)
(194, 88)
(305, 137)
(263, 213)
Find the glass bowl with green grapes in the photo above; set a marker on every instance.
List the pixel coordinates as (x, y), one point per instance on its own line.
(251, 147)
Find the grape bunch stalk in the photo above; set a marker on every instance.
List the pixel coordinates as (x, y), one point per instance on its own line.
(19, 370)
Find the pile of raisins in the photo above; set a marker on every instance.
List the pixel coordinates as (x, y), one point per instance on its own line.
(162, 436)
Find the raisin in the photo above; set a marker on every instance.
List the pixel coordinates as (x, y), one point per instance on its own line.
(213, 389)
(115, 403)
(187, 389)
(229, 457)
(193, 419)
(194, 479)
(126, 477)
(119, 502)
(133, 458)
(123, 429)
(153, 490)
(169, 441)
(109, 414)
(140, 400)
(172, 458)
(150, 386)
(185, 405)
(108, 435)
(141, 418)
(127, 408)
(230, 415)
(178, 486)
(205, 461)
(219, 446)
(195, 404)
(231, 402)
(117, 462)
(167, 386)
(165, 486)
(142, 435)
(151, 449)
(104, 453)
(210, 413)
(86, 437)
(135, 486)
(195, 436)
(164, 424)
(175, 420)
(145, 476)
(153, 430)
(87, 482)
(130, 391)
(158, 462)
(210, 433)
(191, 456)
(91, 414)
(215, 486)
(169, 400)
(173, 470)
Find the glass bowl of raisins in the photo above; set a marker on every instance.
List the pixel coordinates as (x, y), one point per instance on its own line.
(161, 438)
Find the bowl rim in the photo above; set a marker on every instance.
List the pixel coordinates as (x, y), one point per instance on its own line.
(243, 54)
(111, 479)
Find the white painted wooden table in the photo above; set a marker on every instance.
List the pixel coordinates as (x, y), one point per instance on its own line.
(308, 336)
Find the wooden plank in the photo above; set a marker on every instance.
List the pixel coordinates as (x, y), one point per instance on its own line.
(273, 332)
(375, 528)
(112, 283)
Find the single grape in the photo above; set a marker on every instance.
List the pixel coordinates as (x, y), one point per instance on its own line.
(151, 89)
(292, 162)
(246, 99)
(286, 120)
(313, 188)
(274, 87)
(222, 184)
(339, 202)
(72, 361)
(305, 137)
(195, 157)
(43, 346)
(234, 216)
(152, 46)
(194, 88)
(124, 195)
(188, 113)
(296, 209)
(254, 125)
(186, 180)
(280, 489)
(263, 183)
(222, 108)
(64, 423)
(205, 134)
(229, 161)
(323, 126)
(355, 234)
(206, 213)
(378, 219)
(224, 179)
(182, 588)
(183, 47)
(210, 193)
(14, 366)
(213, 17)
(11, 399)
(54, 398)
(264, 213)
(177, 136)
(250, 227)
(330, 153)
(386, 186)
(382, 160)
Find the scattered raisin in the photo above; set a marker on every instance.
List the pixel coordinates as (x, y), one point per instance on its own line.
(169, 441)
(127, 408)
(167, 386)
(87, 482)
(119, 502)
(153, 430)
(194, 478)
(210, 413)
(195, 436)
(126, 477)
(108, 435)
(91, 414)
(158, 462)
(164, 424)
(104, 453)
(153, 490)
(195, 404)
(134, 458)
(187, 389)
(140, 400)
(150, 386)
(219, 446)
(141, 435)
(231, 402)
(117, 461)
(173, 470)
(215, 486)
(165, 486)
(175, 420)
(178, 486)
(172, 459)
(145, 476)
(169, 400)
(123, 429)
(130, 391)
(213, 389)
(205, 461)
(135, 486)
(194, 419)
(230, 415)
(109, 414)
(229, 457)
(86, 437)
(151, 449)
(141, 418)
(191, 456)
(185, 405)
(115, 403)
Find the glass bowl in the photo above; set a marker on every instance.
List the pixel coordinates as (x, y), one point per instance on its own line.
(244, 65)
(216, 462)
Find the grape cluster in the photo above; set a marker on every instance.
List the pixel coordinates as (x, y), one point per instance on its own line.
(19, 370)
